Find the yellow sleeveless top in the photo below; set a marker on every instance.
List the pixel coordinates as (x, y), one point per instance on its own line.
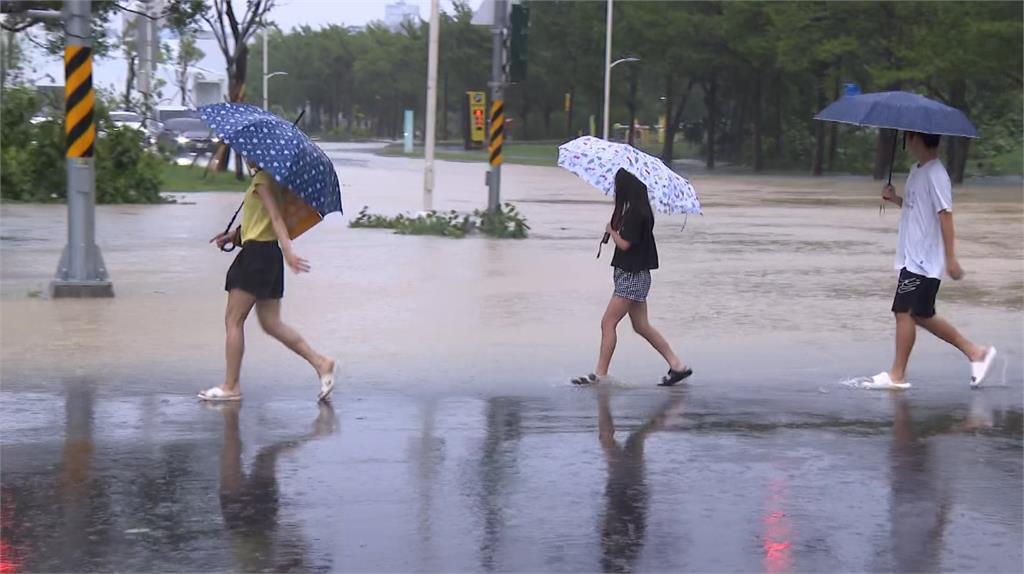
(256, 224)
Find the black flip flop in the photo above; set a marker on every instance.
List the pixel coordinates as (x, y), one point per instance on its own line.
(675, 377)
(591, 378)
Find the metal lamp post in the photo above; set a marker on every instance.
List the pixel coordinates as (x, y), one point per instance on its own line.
(266, 76)
(608, 65)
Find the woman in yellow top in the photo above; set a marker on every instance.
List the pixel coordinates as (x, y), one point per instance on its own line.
(256, 278)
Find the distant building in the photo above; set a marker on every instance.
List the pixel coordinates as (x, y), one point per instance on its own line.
(400, 12)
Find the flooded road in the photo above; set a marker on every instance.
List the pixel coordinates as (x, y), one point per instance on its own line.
(455, 442)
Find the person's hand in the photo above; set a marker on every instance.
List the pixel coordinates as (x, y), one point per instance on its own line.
(889, 193)
(954, 270)
(222, 239)
(296, 263)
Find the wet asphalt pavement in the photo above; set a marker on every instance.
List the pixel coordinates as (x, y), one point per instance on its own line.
(454, 442)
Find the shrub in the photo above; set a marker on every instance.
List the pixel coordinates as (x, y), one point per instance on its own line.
(506, 223)
(32, 163)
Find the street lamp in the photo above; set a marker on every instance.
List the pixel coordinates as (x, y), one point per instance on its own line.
(608, 65)
(608, 89)
(266, 76)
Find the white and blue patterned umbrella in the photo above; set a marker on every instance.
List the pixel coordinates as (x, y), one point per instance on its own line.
(595, 161)
(281, 149)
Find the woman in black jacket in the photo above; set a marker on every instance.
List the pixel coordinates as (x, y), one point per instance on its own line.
(632, 230)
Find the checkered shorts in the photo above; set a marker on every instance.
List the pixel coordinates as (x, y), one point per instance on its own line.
(632, 285)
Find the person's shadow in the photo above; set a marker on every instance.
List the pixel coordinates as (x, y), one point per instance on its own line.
(624, 523)
(250, 504)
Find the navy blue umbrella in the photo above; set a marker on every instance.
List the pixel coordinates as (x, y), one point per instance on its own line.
(899, 111)
(279, 148)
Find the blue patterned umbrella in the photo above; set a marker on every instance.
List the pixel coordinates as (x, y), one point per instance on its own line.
(279, 148)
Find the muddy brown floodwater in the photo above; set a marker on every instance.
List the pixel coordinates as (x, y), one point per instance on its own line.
(455, 442)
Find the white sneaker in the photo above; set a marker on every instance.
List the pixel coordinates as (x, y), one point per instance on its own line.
(883, 382)
(980, 369)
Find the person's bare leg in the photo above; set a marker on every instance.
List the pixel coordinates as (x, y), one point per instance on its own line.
(643, 327)
(942, 329)
(239, 305)
(906, 334)
(617, 309)
(269, 313)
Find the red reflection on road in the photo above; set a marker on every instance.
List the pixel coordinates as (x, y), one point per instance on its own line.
(777, 531)
(10, 558)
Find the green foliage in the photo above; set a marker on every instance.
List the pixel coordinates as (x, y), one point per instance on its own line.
(751, 73)
(506, 223)
(126, 172)
(32, 163)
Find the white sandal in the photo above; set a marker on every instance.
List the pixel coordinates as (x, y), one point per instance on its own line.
(883, 382)
(326, 384)
(980, 369)
(217, 394)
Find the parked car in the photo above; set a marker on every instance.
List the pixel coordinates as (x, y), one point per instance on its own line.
(126, 119)
(164, 113)
(187, 135)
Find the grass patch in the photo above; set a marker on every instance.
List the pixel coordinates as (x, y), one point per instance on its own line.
(183, 178)
(506, 223)
(522, 153)
(1009, 163)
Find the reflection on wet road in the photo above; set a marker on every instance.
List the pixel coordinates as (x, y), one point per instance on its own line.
(607, 479)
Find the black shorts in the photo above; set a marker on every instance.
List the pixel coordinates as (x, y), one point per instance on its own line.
(915, 294)
(258, 270)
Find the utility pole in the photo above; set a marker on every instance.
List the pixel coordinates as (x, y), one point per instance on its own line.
(146, 30)
(497, 119)
(607, 67)
(81, 272)
(429, 135)
(266, 75)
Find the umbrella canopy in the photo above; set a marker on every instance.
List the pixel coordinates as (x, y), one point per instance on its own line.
(595, 161)
(899, 111)
(279, 148)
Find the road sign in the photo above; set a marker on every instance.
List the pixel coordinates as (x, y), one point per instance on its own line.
(477, 106)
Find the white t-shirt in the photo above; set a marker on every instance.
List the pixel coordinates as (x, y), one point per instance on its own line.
(920, 248)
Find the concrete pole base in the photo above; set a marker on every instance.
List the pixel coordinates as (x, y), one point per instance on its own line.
(65, 289)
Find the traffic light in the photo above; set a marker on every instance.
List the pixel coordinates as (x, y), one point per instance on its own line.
(517, 42)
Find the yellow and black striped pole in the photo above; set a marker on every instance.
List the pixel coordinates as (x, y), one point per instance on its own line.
(81, 271)
(497, 136)
(79, 101)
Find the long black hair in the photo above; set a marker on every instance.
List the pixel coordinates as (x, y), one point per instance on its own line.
(631, 196)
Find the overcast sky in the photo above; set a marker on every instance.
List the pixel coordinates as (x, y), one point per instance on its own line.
(293, 13)
(110, 72)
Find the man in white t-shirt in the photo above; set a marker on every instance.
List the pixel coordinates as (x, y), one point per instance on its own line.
(924, 251)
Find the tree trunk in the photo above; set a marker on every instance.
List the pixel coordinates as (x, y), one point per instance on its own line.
(129, 82)
(884, 153)
(833, 131)
(819, 128)
(957, 162)
(740, 110)
(547, 121)
(711, 103)
(779, 137)
(758, 156)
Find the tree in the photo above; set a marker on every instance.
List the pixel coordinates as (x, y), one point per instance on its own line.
(10, 58)
(232, 35)
(188, 53)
